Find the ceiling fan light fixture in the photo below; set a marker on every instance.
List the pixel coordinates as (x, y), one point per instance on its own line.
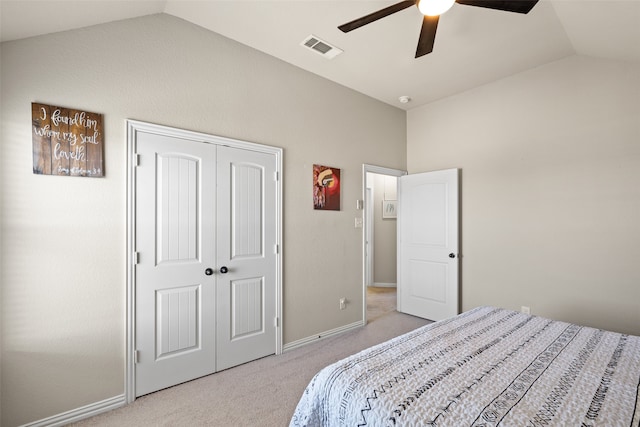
(434, 7)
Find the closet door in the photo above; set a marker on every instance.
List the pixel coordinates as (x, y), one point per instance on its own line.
(246, 253)
(175, 243)
(206, 274)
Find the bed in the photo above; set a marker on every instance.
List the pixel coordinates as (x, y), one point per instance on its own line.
(484, 367)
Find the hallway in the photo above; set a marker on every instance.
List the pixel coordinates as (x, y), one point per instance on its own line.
(380, 301)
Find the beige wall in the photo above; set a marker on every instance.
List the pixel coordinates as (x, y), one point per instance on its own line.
(63, 238)
(550, 162)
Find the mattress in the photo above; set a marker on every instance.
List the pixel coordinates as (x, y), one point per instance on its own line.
(484, 367)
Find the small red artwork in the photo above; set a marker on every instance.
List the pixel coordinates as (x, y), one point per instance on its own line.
(326, 188)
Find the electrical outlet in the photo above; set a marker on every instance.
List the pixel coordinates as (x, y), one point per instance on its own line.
(343, 303)
(525, 309)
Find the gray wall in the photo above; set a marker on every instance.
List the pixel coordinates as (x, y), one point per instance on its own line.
(550, 163)
(63, 238)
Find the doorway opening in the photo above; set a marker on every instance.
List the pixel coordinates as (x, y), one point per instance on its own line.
(379, 241)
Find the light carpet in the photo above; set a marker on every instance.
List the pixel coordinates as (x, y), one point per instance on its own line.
(264, 392)
(380, 301)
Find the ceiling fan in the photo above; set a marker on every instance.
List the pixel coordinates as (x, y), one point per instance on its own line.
(432, 9)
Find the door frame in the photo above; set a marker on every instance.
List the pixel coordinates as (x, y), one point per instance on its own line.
(133, 127)
(367, 168)
(369, 253)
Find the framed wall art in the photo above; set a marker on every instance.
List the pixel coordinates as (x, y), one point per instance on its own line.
(66, 141)
(326, 188)
(389, 209)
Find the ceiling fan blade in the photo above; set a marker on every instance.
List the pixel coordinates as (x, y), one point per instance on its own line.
(357, 23)
(427, 35)
(518, 6)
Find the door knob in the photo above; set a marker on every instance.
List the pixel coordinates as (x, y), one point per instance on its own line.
(452, 255)
(224, 270)
(208, 271)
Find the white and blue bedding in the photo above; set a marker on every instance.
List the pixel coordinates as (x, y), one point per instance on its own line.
(485, 367)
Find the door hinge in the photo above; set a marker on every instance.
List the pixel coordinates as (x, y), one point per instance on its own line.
(276, 176)
(276, 321)
(136, 258)
(136, 159)
(276, 248)
(136, 357)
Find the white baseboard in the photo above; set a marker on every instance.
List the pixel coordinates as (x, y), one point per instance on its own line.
(384, 285)
(78, 414)
(96, 408)
(326, 334)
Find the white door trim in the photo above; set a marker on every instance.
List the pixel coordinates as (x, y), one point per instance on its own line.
(368, 237)
(133, 127)
(366, 168)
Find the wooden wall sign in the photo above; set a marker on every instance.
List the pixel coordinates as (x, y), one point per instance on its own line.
(66, 141)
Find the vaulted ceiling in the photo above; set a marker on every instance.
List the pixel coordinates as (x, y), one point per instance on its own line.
(473, 45)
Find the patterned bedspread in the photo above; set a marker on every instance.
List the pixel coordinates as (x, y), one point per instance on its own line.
(485, 367)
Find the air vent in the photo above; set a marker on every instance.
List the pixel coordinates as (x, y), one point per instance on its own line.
(321, 47)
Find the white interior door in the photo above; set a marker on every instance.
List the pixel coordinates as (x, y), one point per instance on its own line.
(206, 229)
(246, 255)
(428, 244)
(175, 227)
